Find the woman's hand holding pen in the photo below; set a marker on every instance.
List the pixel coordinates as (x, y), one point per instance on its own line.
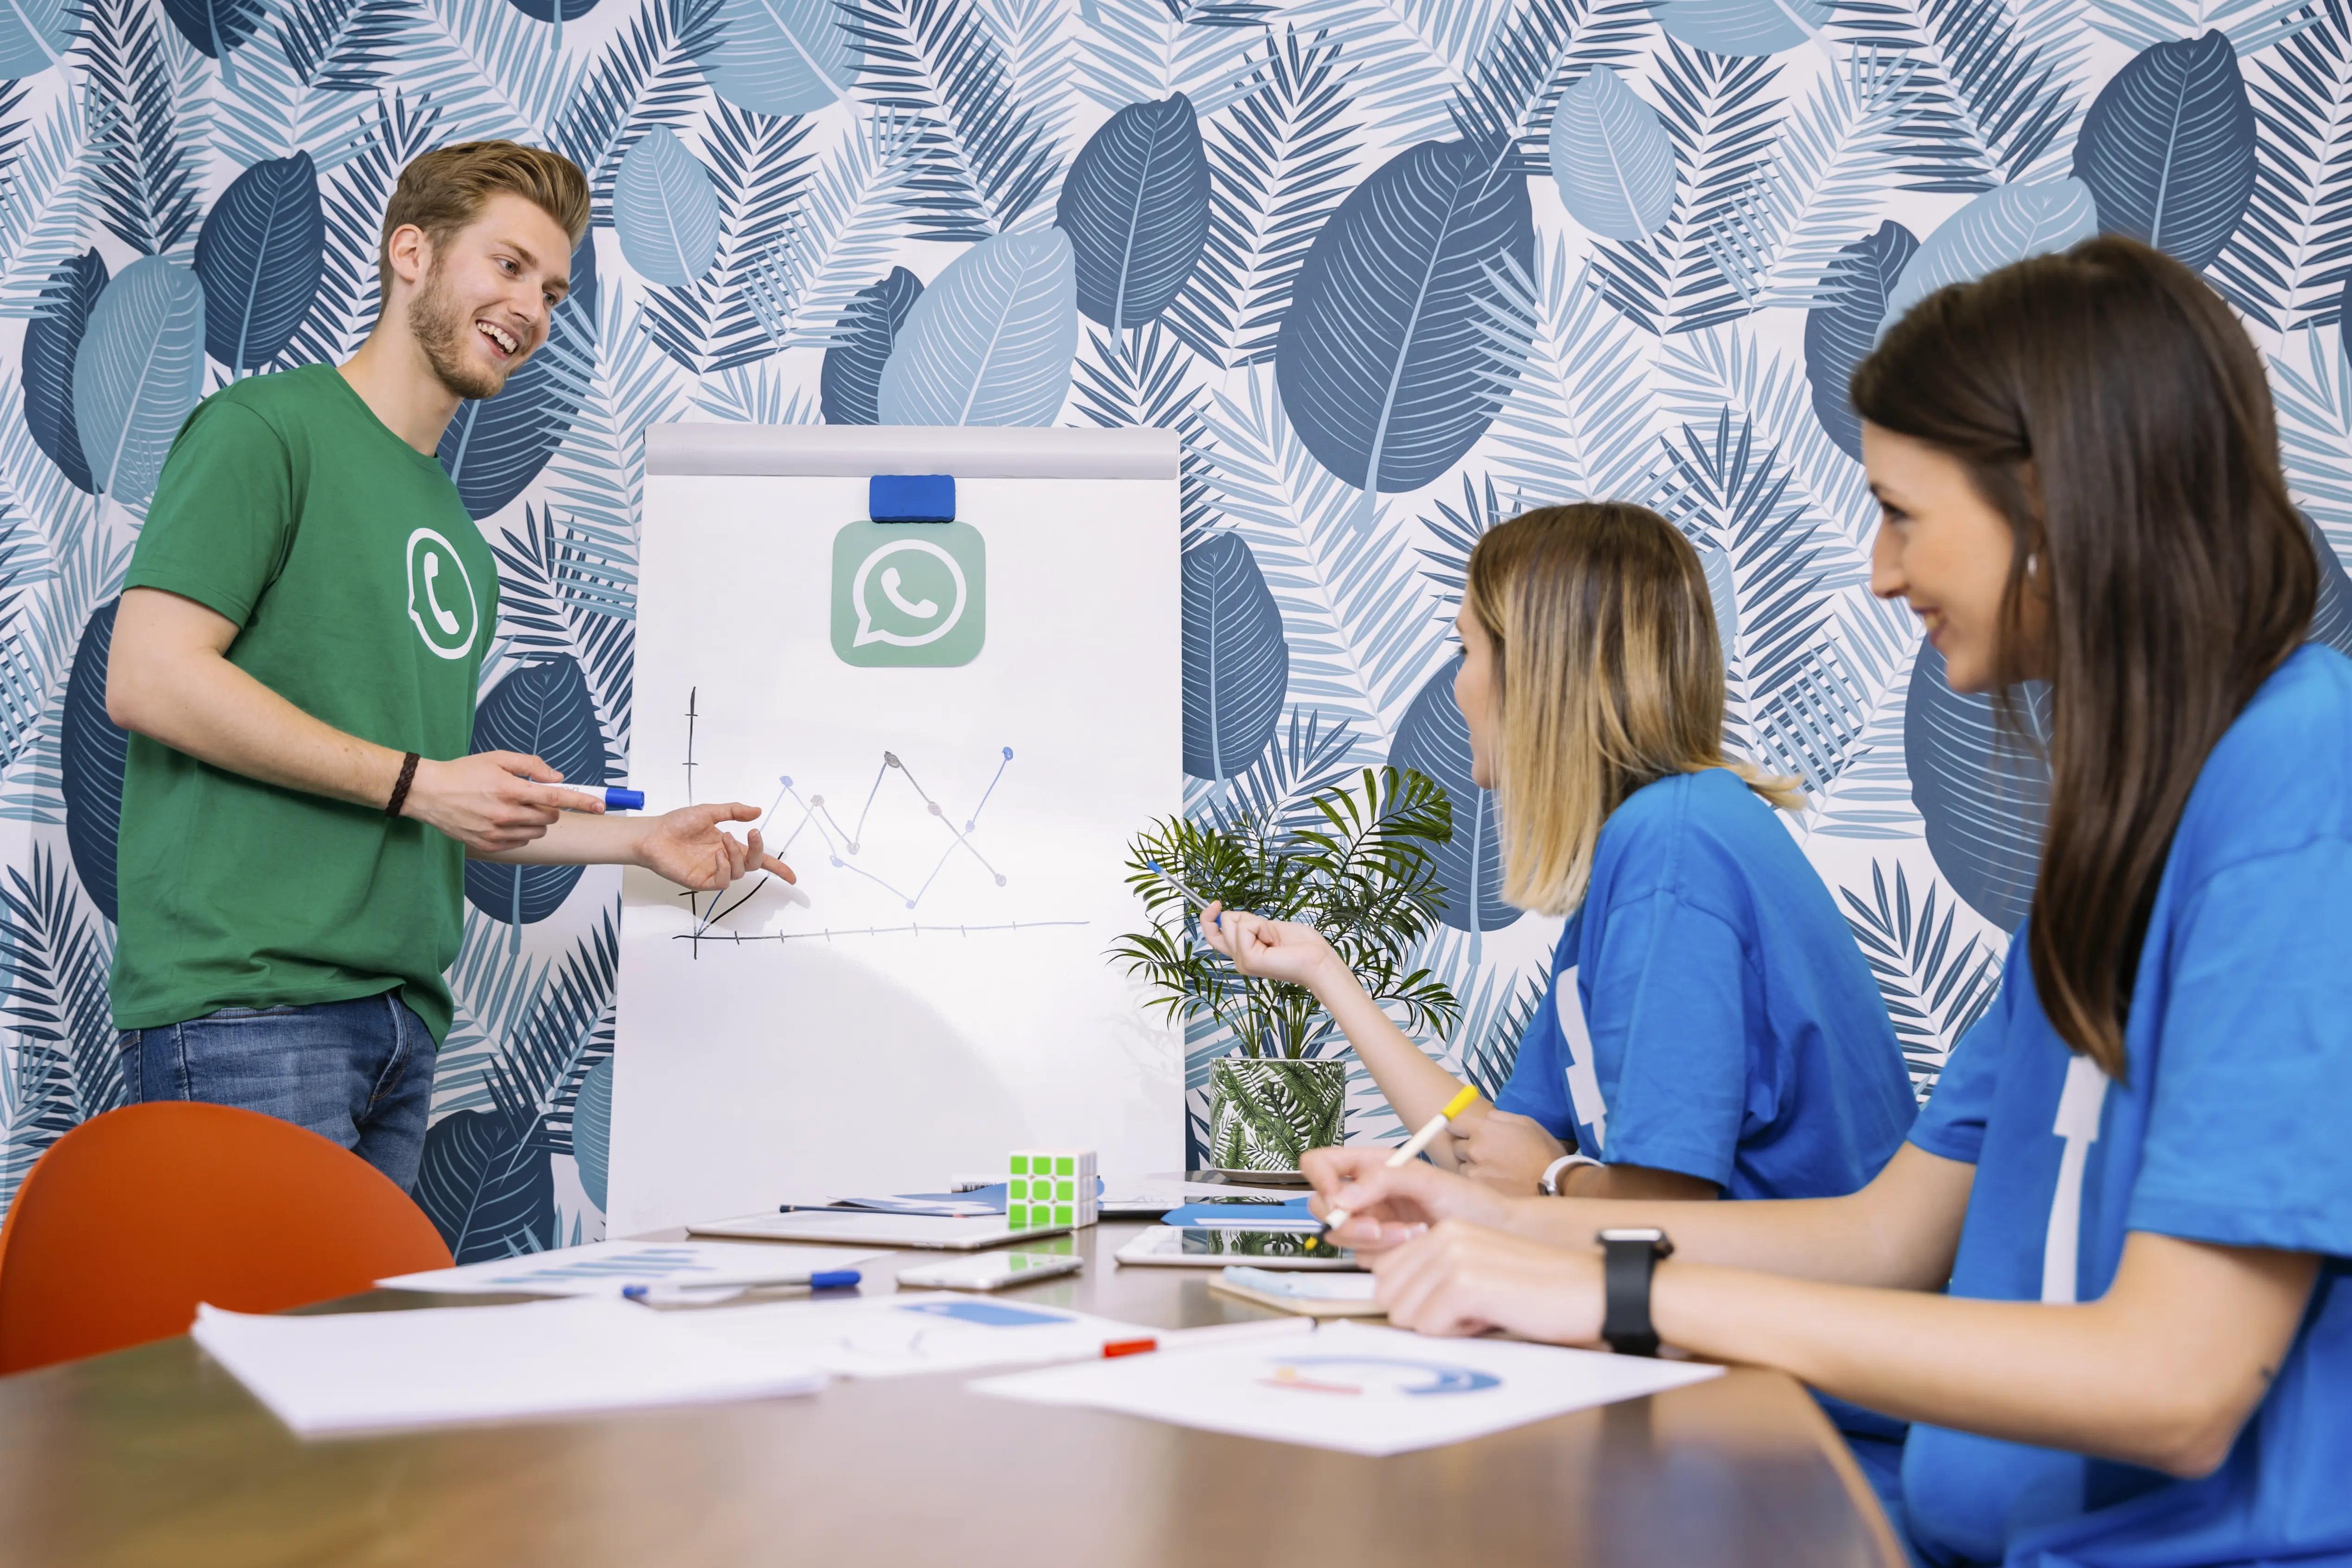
(1274, 950)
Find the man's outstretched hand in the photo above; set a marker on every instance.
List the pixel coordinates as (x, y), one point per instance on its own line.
(689, 847)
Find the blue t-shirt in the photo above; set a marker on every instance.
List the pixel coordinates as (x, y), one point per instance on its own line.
(1709, 1012)
(2231, 1126)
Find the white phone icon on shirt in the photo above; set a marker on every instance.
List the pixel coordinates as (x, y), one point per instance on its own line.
(920, 609)
(448, 622)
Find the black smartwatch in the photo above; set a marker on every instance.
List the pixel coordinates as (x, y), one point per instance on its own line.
(1627, 1256)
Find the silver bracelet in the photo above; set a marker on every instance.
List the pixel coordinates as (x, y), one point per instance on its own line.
(1549, 1184)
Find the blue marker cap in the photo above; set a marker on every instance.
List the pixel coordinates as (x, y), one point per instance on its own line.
(833, 1278)
(624, 800)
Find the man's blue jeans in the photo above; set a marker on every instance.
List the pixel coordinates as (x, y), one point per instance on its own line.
(360, 1072)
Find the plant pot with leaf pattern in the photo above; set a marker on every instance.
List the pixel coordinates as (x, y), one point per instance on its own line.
(1355, 862)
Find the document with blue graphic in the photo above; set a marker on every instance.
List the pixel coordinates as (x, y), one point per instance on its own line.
(606, 1267)
(1360, 1390)
(886, 1336)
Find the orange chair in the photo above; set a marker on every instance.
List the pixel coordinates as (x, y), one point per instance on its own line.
(134, 1216)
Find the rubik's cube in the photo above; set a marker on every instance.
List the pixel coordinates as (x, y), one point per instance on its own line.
(1050, 1186)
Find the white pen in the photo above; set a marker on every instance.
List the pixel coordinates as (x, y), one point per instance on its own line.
(1412, 1146)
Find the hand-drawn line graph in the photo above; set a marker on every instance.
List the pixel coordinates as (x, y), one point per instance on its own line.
(844, 845)
(816, 814)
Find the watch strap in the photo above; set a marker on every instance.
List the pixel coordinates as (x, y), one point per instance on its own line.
(1626, 1266)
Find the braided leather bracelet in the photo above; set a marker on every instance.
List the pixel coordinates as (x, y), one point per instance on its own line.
(400, 790)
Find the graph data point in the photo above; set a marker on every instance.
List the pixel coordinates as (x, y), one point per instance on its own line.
(910, 903)
(817, 800)
(970, 826)
(1000, 878)
(834, 859)
(1008, 753)
(853, 849)
(935, 808)
(890, 759)
(785, 780)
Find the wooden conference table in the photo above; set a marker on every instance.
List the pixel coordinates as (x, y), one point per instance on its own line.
(156, 1455)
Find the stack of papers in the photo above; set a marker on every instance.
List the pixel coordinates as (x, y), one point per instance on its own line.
(1360, 1390)
(1311, 1295)
(367, 1371)
(604, 1268)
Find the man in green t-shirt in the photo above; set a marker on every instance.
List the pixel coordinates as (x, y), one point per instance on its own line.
(296, 655)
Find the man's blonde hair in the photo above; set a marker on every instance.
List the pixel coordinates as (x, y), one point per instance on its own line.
(443, 190)
(1609, 675)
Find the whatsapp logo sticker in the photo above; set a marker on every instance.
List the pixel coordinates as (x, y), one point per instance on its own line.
(440, 595)
(909, 594)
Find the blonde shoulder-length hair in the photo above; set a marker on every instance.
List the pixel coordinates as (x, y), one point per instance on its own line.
(1609, 676)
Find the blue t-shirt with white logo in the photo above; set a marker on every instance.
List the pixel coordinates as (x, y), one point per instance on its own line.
(2231, 1126)
(1709, 1012)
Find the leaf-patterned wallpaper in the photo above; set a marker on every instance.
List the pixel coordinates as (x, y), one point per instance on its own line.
(1392, 269)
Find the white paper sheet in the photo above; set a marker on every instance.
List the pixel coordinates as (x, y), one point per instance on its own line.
(886, 1336)
(1360, 1390)
(602, 1267)
(354, 1372)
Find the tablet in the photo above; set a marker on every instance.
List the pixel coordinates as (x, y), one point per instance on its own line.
(861, 1228)
(1174, 1246)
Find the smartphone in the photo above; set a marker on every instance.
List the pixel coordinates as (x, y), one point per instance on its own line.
(990, 1270)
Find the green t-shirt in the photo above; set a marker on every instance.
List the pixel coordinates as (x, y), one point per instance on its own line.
(367, 599)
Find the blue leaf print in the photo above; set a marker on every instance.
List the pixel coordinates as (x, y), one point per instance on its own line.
(1387, 360)
(2331, 619)
(1741, 26)
(1998, 228)
(216, 26)
(52, 338)
(850, 387)
(1236, 664)
(1612, 158)
(779, 56)
(485, 1183)
(1135, 208)
(1841, 324)
(35, 35)
(140, 369)
(495, 447)
(990, 342)
(1433, 737)
(1983, 795)
(261, 254)
(2167, 148)
(545, 10)
(592, 1132)
(665, 210)
(93, 752)
(542, 709)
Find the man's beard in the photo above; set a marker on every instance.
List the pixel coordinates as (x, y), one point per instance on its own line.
(441, 330)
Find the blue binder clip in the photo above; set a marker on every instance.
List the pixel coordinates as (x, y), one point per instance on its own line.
(912, 497)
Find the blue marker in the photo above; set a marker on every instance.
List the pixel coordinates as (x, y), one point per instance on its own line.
(624, 800)
(716, 1291)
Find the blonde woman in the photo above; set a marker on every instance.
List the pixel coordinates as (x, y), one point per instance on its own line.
(1711, 1029)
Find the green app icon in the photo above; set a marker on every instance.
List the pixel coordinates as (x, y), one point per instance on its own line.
(909, 594)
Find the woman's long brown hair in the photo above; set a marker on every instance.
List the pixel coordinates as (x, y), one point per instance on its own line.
(2112, 408)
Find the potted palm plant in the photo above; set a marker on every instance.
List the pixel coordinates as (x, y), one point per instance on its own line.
(1358, 866)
